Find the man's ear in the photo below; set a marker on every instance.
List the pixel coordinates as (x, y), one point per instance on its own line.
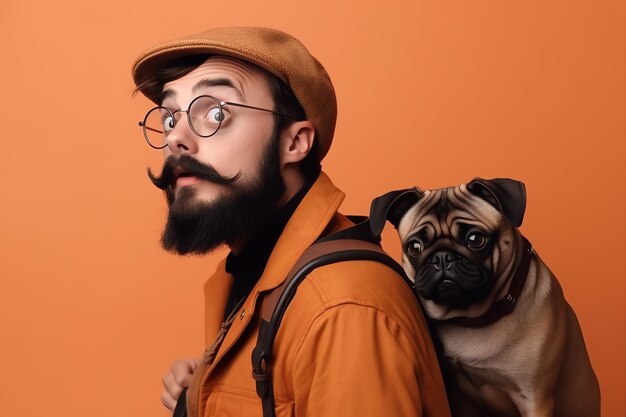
(296, 141)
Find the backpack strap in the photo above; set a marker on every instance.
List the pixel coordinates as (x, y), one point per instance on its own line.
(346, 245)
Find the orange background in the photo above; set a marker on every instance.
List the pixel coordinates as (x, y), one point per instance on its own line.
(92, 312)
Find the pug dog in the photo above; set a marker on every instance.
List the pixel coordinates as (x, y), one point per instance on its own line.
(512, 345)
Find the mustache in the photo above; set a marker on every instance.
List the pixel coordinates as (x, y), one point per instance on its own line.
(189, 166)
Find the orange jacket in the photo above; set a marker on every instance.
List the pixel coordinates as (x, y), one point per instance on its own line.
(353, 341)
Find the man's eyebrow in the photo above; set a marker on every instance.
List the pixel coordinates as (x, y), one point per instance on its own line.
(216, 82)
(167, 94)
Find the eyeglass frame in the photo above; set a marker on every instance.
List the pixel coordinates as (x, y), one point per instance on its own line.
(219, 102)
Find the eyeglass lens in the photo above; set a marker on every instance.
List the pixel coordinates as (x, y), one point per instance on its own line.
(205, 116)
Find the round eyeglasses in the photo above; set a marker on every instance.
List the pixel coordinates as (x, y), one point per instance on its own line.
(204, 115)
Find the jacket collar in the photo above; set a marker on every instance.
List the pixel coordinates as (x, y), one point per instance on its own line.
(305, 226)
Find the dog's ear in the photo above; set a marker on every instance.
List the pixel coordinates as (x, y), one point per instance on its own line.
(506, 195)
(392, 206)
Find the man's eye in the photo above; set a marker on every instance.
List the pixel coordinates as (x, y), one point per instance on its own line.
(215, 115)
(168, 123)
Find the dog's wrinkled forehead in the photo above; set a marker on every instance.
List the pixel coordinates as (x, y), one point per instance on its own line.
(443, 208)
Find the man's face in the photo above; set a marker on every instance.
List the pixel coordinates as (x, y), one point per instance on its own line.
(204, 211)
(239, 144)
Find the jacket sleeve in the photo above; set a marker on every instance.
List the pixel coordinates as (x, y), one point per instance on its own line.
(357, 361)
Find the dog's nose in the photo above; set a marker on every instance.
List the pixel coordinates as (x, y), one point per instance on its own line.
(444, 259)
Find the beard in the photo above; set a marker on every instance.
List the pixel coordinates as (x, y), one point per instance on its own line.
(199, 227)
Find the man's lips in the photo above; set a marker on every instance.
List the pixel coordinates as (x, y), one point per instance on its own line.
(186, 180)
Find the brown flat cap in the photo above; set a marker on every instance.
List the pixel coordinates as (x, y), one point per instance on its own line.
(277, 52)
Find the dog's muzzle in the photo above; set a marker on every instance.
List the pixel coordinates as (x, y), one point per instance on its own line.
(449, 278)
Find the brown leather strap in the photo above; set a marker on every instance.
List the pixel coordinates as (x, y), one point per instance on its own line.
(315, 251)
(275, 302)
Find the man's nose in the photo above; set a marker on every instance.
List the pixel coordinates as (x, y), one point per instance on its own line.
(182, 139)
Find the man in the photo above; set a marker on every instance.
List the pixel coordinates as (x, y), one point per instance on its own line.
(244, 117)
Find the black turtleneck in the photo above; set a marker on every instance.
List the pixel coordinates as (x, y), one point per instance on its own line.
(247, 266)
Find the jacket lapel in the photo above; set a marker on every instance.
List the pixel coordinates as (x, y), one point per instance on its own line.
(216, 291)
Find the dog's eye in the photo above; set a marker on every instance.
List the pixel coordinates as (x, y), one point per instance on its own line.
(414, 248)
(476, 240)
